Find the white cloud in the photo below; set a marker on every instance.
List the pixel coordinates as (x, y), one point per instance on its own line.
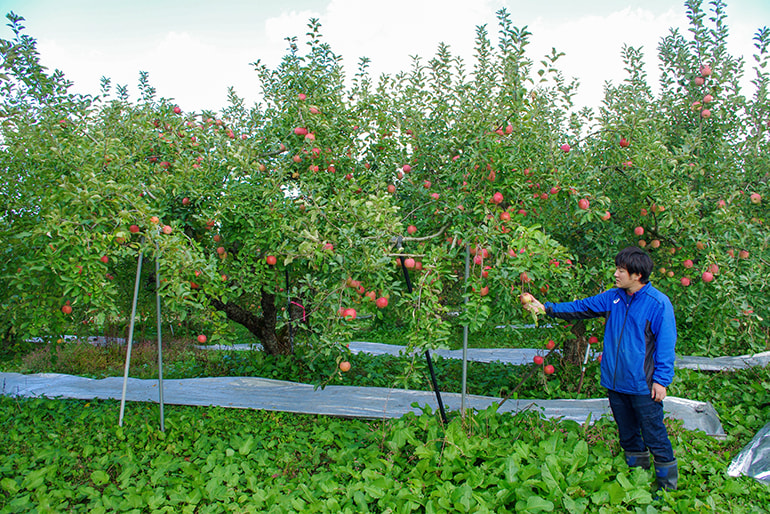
(195, 65)
(593, 46)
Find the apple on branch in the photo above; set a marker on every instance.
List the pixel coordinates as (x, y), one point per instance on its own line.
(531, 305)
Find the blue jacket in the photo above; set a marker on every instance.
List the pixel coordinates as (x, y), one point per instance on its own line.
(639, 336)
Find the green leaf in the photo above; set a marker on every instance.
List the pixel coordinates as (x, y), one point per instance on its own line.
(99, 477)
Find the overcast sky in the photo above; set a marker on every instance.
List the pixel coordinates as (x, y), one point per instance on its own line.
(194, 49)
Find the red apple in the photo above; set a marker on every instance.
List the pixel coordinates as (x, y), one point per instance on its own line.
(221, 250)
(505, 216)
(705, 70)
(705, 114)
(66, 308)
(300, 131)
(409, 263)
(606, 215)
(185, 201)
(271, 260)
(104, 259)
(345, 365)
(411, 229)
(497, 198)
(406, 168)
(708, 99)
(381, 302)
(167, 229)
(302, 96)
(688, 264)
(565, 148)
(133, 229)
(685, 281)
(639, 231)
(583, 203)
(707, 276)
(349, 313)
(756, 198)
(202, 339)
(551, 344)
(743, 254)
(593, 340)
(549, 369)
(537, 359)
(699, 81)
(391, 188)
(177, 110)
(624, 143)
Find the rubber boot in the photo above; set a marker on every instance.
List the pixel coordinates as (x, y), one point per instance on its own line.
(666, 474)
(638, 459)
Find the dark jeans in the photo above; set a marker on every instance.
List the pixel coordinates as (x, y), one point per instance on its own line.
(640, 425)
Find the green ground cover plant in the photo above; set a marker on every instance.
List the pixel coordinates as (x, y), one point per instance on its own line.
(283, 462)
(70, 456)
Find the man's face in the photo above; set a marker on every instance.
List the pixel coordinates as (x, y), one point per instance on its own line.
(625, 281)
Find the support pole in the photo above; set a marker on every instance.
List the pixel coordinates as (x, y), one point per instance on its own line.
(160, 339)
(288, 311)
(130, 340)
(465, 334)
(399, 245)
(435, 386)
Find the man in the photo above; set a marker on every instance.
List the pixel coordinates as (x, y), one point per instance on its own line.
(637, 361)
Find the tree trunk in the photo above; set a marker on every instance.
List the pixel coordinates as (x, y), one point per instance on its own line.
(575, 349)
(263, 327)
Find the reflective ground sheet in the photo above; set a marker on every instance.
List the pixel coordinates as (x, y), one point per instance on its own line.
(345, 401)
(524, 355)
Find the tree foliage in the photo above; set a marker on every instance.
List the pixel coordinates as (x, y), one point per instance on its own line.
(327, 175)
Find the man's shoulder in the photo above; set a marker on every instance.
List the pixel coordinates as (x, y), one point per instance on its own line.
(656, 295)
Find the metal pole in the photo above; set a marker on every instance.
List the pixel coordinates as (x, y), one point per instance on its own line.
(583, 371)
(435, 386)
(160, 339)
(130, 340)
(465, 334)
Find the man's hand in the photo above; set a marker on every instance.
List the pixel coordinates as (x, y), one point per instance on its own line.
(658, 392)
(531, 304)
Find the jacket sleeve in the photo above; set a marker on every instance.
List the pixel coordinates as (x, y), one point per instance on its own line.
(591, 307)
(665, 343)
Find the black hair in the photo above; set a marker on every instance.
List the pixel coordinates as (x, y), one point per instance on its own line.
(635, 260)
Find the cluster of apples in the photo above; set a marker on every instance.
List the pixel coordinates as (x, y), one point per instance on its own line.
(700, 80)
